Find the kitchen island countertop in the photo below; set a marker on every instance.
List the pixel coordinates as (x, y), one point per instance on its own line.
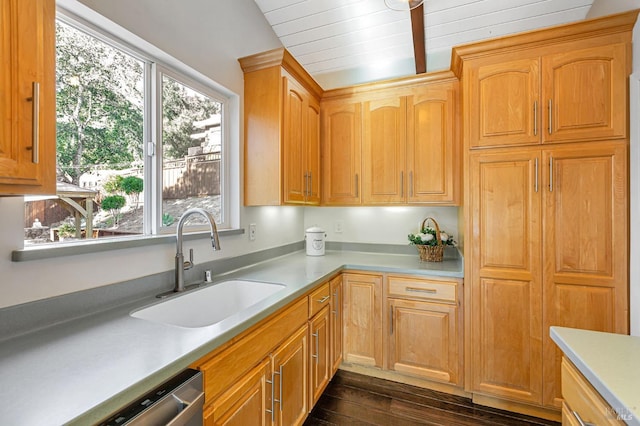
(81, 371)
(610, 362)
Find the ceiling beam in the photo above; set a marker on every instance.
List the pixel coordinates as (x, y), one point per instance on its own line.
(417, 29)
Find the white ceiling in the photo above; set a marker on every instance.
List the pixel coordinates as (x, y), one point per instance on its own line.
(343, 42)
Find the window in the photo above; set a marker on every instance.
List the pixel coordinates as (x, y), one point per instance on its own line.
(138, 143)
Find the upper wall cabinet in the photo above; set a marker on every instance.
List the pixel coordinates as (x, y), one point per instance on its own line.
(555, 90)
(27, 97)
(392, 143)
(282, 131)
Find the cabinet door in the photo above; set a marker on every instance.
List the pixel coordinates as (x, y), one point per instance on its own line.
(362, 319)
(248, 402)
(319, 353)
(585, 246)
(336, 323)
(505, 282)
(294, 141)
(290, 370)
(384, 151)
(415, 326)
(433, 153)
(312, 152)
(342, 143)
(587, 92)
(504, 103)
(27, 97)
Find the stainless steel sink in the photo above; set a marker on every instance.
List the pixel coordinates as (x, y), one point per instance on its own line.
(208, 305)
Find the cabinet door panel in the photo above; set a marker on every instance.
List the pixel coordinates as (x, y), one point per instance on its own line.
(415, 326)
(432, 148)
(384, 150)
(28, 57)
(363, 325)
(291, 374)
(341, 138)
(503, 99)
(244, 403)
(505, 285)
(585, 275)
(319, 359)
(312, 159)
(586, 88)
(294, 133)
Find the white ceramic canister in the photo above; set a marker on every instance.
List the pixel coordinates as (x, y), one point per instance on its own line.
(314, 237)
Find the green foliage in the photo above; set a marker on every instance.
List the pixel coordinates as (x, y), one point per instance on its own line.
(427, 236)
(114, 203)
(167, 219)
(113, 185)
(98, 104)
(180, 108)
(132, 186)
(66, 230)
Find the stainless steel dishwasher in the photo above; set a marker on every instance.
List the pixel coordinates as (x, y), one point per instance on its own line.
(177, 402)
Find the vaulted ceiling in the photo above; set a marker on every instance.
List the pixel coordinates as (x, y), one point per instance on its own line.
(343, 42)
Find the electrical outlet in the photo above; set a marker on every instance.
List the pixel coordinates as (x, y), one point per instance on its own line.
(337, 226)
(252, 231)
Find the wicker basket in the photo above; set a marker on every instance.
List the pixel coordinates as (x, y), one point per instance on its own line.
(431, 253)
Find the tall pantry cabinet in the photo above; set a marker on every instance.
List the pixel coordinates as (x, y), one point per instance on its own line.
(545, 201)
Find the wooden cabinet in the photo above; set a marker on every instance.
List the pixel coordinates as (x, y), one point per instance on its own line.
(290, 373)
(549, 222)
(341, 147)
(319, 341)
(336, 323)
(530, 98)
(424, 313)
(585, 236)
(27, 97)
(301, 145)
(362, 319)
(246, 402)
(582, 404)
(392, 146)
(282, 131)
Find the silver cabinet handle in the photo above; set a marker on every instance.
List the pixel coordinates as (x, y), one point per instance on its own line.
(391, 320)
(550, 174)
(273, 401)
(305, 191)
(536, 176)
(35, 137)
(421, 290)
(310, 185)
(535, 118)
(317, 350)
(550, 116)
(324, 299)
(411, 184)
(280, 402)
(357, 186)
(580, 421)
(336, 311)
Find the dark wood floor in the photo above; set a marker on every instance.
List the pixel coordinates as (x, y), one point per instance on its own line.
(354, 399)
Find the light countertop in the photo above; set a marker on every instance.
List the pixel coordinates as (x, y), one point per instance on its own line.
(610, 362)
(81, 371)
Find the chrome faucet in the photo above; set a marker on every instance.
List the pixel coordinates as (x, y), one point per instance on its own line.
(181, 265)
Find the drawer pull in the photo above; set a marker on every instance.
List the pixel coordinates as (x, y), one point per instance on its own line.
(580, 421)
(324, 299)
(421, 290)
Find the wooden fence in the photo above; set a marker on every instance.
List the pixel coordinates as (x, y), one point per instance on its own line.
(194, 176)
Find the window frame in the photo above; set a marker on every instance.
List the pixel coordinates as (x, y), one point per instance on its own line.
(155, 64)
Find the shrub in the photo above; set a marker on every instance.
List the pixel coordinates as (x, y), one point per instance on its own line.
(132, 185)
(114, 203)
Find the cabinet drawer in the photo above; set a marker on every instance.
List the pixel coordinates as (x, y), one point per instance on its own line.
(319, 299)
(423, 289)
(580, 397)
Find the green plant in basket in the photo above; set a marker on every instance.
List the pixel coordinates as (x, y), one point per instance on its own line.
(427, 237)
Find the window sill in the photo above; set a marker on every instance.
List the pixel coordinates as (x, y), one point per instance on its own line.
(50, 251)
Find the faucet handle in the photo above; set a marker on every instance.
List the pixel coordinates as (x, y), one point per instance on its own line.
(189, 263)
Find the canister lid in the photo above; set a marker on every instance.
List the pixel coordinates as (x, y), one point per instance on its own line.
(315, 229)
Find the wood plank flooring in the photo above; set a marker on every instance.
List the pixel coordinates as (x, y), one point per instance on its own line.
(354, 399)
